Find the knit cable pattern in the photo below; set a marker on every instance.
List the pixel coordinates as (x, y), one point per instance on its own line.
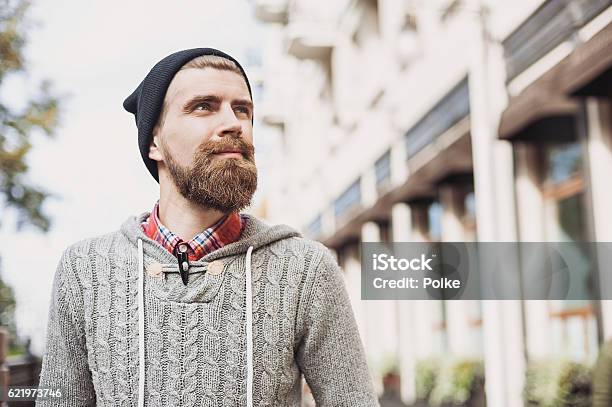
(195, 336)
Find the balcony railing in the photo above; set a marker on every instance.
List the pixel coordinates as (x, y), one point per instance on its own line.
(315, 228)
(551, 24)
(348, 201)
(450, 110)
(382, 171)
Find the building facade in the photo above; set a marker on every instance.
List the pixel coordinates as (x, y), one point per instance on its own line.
(445, 120)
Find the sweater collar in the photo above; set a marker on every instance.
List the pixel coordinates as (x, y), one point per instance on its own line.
(223, 232)
(256, 233)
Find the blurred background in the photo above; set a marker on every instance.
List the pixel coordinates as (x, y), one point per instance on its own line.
(376, 120)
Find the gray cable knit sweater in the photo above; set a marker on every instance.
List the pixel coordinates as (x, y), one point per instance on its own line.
(194, 338)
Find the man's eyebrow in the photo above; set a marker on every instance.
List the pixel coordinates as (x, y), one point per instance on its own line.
(214, 99)
(199, 99)
(242, 102)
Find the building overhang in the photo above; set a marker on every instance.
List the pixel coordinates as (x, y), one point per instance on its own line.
(539, 116)
(449, 157)
(588, 70)
(270, 115)
(546, 110)
(271, 11)
(309, 40)
(540, 112)
(348, 231)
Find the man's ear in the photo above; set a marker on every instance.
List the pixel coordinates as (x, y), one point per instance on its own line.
(154, 150)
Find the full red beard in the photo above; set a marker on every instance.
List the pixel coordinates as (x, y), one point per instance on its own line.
(226, 184)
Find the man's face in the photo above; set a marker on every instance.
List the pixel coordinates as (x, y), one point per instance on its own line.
(205, 140)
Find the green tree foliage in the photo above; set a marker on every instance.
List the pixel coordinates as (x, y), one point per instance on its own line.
(557, 382)
(17, 128)
(7, 317)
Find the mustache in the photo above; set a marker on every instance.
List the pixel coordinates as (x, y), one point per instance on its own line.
(231, 143)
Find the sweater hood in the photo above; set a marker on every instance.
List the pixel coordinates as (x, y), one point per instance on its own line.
(255, 233)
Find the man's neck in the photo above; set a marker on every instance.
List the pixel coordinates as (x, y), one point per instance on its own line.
(183, 217)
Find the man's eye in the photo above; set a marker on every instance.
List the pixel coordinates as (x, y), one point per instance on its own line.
(204, 106)
(243, 109)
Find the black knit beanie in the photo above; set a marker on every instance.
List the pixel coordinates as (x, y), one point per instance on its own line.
(147, 100)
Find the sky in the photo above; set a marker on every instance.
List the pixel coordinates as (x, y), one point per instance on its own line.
(95, 53)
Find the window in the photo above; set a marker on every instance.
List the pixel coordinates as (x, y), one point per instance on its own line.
(574, 329)
(426, 220)
(562, 183)
(350, 199)
(439, 327)
(434, 221)
(561, 162)
(469, 215)
(382, 170)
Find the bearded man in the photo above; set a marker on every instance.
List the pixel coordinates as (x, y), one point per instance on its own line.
(196, 303)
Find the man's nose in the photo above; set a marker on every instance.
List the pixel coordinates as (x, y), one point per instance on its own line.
(231, 125)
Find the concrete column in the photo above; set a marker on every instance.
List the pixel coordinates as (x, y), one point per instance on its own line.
(424, 311)
(529, 200)
(370, 232)
(399, 169)
(406, 313)
(390, 19)
(352, 279)
(328, 221)
(334, 253)
(369, 193)
(380, 319)
(457, 322)
(452, 228)
(599, 145)
(401, 222)
(493, 187)
(531, 229)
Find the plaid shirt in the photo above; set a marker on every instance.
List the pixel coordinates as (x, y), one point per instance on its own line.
(225, 231)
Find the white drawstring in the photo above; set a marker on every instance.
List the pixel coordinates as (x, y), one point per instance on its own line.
(141, 339)
(141, 336)
(249, 328)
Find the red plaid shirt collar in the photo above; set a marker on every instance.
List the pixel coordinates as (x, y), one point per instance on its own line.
(227, 230)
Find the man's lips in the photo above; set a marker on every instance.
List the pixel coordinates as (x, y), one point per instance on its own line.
(230, 153)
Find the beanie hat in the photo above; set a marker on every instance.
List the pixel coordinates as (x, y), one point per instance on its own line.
(147, 100)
